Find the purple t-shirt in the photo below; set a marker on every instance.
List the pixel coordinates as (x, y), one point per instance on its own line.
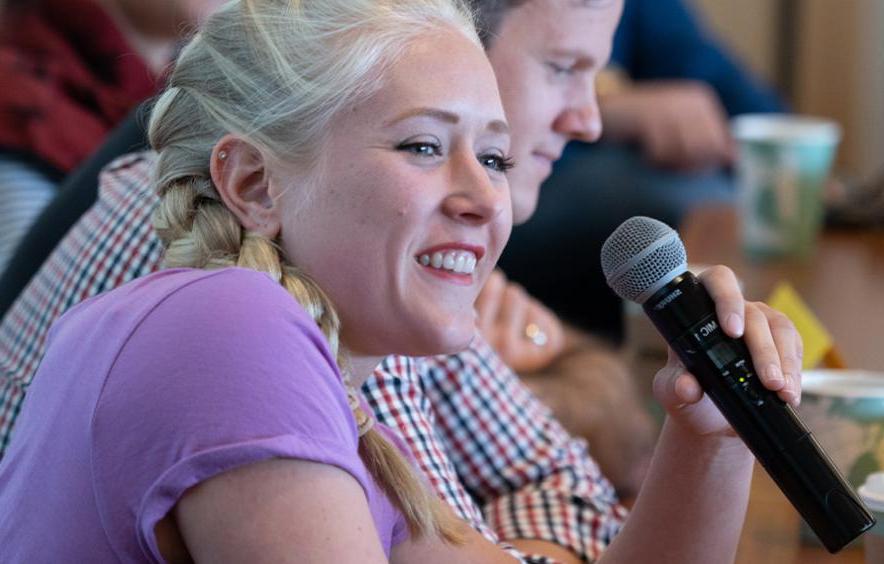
(157, 386)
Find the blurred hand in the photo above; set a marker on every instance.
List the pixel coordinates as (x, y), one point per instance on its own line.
(508, 318)
(773, 341)
(678, 124)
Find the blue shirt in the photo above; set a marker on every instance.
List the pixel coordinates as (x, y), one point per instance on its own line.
(662, 39)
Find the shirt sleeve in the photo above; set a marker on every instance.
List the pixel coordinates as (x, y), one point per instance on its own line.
(660, 39)
(225, 371)
(396, 395)
(531, 478)
(114, 242)
(24, 192)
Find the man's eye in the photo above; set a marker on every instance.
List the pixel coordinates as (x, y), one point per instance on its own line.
(497, 162)
(560, 69)
(422, 149)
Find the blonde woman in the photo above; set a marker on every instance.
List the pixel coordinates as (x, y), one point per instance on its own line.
(313, 162)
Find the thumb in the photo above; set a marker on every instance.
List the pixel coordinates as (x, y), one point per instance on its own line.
(674, 387)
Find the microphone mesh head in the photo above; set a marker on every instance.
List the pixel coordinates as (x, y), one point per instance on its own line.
(641, 256)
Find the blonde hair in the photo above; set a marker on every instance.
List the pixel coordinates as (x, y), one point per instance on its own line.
(277, 72)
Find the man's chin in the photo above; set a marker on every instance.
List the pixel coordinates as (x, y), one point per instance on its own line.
(524, 192)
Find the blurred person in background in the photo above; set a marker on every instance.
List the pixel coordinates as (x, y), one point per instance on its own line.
(70, 71)
(665, 102)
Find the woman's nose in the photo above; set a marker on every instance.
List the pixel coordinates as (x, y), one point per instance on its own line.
(475, 196)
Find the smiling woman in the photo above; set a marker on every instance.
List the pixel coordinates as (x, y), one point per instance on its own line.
(326, 199)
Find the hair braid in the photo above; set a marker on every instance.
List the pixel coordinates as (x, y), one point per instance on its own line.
(276, 72)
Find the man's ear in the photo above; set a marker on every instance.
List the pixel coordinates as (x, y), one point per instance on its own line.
(239, 172)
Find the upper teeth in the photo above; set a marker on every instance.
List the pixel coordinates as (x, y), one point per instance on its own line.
(457, 261)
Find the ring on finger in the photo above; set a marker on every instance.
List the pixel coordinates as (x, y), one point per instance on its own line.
(535, 334)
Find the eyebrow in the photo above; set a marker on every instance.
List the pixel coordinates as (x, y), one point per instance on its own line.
(496, 125)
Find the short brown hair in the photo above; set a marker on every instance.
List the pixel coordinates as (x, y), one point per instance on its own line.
(488, 14)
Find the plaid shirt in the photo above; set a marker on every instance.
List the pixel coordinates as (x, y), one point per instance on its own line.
(487, 446)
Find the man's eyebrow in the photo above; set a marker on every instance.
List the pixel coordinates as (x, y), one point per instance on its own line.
(497, 126)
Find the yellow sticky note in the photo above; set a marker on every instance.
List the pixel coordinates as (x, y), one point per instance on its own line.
(817, 341)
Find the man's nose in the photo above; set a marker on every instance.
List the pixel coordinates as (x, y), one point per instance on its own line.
(580, 123)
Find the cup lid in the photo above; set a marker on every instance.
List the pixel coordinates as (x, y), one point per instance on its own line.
(853, 384)
(872, 491)
(785, 128)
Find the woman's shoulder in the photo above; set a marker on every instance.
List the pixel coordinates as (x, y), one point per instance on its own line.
(226, 293)
(233, 335)
(232, 308)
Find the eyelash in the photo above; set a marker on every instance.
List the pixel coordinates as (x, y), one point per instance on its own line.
(559, 69)
(416, 146)
(501, 164)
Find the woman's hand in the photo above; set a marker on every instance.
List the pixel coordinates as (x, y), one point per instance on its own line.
(526, 335)
(773, 341)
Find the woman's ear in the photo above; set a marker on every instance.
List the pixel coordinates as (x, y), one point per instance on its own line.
(239, 172)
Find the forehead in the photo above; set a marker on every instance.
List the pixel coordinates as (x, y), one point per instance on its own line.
(563, 23)
(420, 77)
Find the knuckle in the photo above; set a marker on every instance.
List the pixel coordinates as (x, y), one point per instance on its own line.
(715, 273)
(514, 291)
(791, 359)
(754, 312)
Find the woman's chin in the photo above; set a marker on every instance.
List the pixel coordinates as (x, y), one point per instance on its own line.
(453, 341)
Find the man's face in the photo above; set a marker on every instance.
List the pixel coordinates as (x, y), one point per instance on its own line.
(546, 54)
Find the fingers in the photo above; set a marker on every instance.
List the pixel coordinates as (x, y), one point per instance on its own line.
(682, 125)
(763, 349)
(722, 285)
(776, 347)
(549, 323)
(504, 311)
(513, 316)
(773, 341)
(489, 301)
(674, 387)
(713, 119)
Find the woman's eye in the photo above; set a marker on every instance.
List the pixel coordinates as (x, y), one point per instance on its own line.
(497, 162)
(420, 148)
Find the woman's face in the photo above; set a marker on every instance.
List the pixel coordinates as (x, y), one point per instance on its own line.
(410, 208)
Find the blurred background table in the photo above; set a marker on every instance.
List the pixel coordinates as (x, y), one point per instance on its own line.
(843, 283)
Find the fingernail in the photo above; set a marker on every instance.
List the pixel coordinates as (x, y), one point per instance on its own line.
(787, 383)
(775, 377)
(734, 324)
(793, 393)
(688, 389)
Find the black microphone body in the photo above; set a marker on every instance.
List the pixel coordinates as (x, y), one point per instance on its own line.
(684, 313)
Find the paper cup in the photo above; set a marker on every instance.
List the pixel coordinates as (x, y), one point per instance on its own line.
(844, 409)
(782, 166)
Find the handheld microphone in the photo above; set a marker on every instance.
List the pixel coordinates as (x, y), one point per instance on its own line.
(644, 261)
